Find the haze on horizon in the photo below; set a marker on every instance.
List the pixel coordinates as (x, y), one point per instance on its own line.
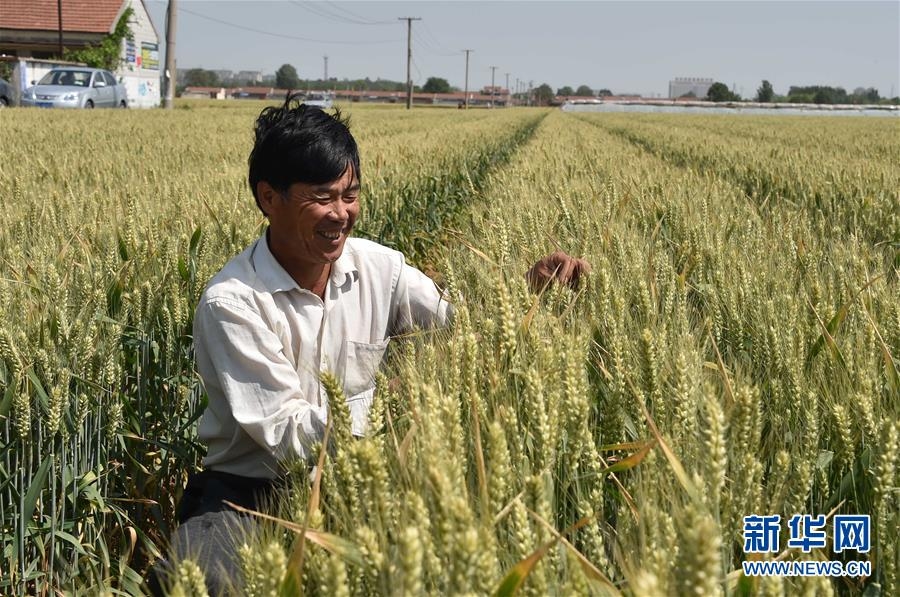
(628, 47)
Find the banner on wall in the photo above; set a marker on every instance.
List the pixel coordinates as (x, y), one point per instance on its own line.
(149, 56)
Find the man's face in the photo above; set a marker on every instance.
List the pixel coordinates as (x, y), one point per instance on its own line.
(311, 222)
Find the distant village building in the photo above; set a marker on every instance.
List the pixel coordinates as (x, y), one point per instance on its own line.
(224, 75)
(219, 93)
(684, 85)
(249, 76)
(29, 38)
(367, 96)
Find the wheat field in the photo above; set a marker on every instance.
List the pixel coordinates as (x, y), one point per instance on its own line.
(734, 351)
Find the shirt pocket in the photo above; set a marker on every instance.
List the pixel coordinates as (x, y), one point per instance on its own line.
(362, 362)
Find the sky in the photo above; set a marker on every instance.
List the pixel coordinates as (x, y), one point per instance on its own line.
(627, 47)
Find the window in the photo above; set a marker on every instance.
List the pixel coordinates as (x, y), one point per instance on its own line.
(66, 77)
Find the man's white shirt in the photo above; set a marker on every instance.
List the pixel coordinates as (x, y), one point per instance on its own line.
(261, 341)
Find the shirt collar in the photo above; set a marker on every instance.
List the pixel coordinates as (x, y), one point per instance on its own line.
(276, 278)
(343, 266)
(269, 270)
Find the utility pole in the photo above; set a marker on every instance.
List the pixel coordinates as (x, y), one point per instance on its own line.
(171, 20)
(326, 69)
(467, 77)
(507, 90)
(493, 88)
(59, 14)
(409, 85)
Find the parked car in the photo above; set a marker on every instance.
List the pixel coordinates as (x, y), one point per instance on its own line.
(76, 87)
(321, 100)
(6, 94)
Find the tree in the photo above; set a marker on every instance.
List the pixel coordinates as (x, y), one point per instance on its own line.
(719, 92)
(543, 95)
(198, 77)
(822, 97)
(765, 93)
(286, 77)
(108, 53)
(604, 93)
(584, 91)
(565, 91)
(436, 85)
(818, 94)
(862, 95)
(688, 95)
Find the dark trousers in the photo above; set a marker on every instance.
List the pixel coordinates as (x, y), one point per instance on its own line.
(210, 532)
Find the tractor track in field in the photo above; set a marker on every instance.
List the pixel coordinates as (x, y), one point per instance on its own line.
(751, 187)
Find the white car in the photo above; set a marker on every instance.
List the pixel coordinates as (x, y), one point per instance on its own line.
(76, 87)
(321, 100)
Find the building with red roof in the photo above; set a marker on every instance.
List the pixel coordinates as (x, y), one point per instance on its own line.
(31, 29)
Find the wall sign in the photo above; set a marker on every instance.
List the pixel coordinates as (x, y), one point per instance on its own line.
(149, 56)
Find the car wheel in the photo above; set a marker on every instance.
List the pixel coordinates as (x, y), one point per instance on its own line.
(123, 104)
(4, 103)
(89, 105)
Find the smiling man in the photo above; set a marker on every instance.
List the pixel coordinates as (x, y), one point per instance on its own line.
(303, 299)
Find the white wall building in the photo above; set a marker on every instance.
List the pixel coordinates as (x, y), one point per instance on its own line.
(684, 85)
(249, 76)
(141, 70)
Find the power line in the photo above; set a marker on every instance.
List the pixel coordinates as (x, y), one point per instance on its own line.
(362, 20)
(283, 36)
(430, 50)
(315, 11)
(437, 43)
(320, 10)
(418, 72)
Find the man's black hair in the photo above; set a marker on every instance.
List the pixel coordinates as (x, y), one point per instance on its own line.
(300, 143)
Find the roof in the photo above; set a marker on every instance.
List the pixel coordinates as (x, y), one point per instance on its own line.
(89, 69)
(274, 92)
(255, 90)
(86, 16)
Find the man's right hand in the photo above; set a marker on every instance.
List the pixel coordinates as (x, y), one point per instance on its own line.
(558, 266)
